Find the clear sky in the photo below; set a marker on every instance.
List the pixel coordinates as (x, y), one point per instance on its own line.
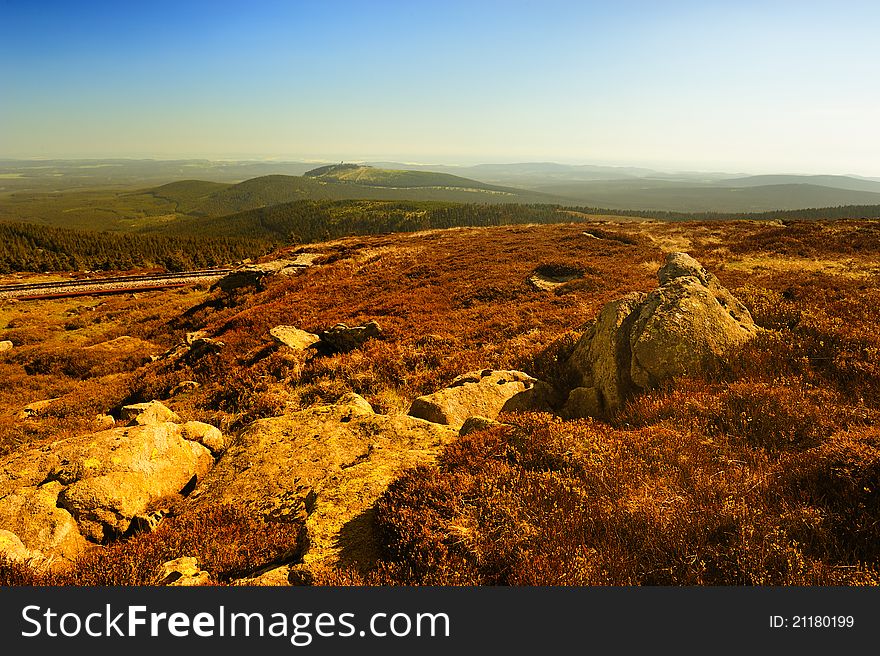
(752, 86)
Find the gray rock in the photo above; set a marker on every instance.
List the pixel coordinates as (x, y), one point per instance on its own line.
(685, 327)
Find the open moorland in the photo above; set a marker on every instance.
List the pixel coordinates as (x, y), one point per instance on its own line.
(762, 469)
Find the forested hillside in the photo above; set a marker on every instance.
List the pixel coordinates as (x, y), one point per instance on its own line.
(30, 247)
(307, 220)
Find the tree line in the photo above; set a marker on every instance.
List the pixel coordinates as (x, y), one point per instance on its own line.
(32, 247)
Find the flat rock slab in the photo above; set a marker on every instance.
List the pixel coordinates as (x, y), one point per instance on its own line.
(486, 393)
(326, 466)
(293, 337)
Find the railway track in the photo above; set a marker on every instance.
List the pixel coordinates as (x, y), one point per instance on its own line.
(111, 285)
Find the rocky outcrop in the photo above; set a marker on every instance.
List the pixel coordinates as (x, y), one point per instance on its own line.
(486, 393)
(255, 275)
(292, 337)
(684, 327)
(93, 486)
(341, 338)
(326, 466)
(44, 529)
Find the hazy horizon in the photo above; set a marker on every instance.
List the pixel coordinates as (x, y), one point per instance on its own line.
(757, 88)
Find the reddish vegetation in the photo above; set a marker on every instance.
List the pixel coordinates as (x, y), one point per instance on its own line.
(763, 472)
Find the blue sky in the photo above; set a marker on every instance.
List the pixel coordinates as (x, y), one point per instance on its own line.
(738, 86)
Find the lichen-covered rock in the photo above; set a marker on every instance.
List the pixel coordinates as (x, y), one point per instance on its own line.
(148, 414)
(326, 466)
(486, 393)
(118, 473)
(101, 480)
(684, 327)
(601, 357)
(33, 515)
(292, 337)
(205, 434)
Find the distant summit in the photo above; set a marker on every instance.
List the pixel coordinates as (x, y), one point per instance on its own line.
(371, 176)
(333, 169)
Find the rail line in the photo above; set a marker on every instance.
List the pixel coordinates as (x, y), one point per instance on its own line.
(110, 285)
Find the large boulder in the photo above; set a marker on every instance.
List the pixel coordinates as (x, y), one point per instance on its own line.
(325, 466)
(601, 358)
(485, 393)
(684, 327)
(33, 516)
(97, 483)
(5, 345)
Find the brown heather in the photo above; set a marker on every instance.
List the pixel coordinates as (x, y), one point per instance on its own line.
(764, 472)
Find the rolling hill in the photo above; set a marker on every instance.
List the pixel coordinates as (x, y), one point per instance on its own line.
(331, 183)
(371, 176)
(680, 197)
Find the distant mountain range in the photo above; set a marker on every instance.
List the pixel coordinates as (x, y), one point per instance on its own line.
(203, 187)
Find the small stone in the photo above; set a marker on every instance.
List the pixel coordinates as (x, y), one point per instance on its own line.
(184, 571)
(103, 422)
(183, 387)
